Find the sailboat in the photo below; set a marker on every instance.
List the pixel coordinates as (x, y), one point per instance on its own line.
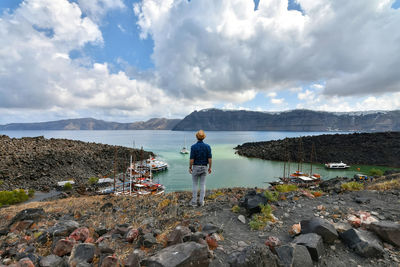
(184, 150)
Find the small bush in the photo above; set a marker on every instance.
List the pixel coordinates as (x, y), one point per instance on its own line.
(388, 185)
(1, 182)
(235, 209)
(93, 180)
(375, 172)
(271, 195)
(13, 197)
(67, 187)
(31, 193)
(215, 195)
(352, 186)
(259, 221)
(284, 188)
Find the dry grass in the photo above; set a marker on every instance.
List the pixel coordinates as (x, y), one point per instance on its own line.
(388, 185)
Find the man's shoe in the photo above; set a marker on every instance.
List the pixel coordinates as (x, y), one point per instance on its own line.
(201, 204)
(193, 204)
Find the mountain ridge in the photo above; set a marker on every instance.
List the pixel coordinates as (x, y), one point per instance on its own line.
(94, 124)
(292, 120)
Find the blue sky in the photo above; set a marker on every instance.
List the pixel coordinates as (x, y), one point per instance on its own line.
(127, 60)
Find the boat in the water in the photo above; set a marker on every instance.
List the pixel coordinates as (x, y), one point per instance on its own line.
(336, 165)
(184, 150)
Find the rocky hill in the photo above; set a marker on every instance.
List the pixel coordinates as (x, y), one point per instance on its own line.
(294, 120)
(357, 148)
(93, 124)
(39, 163)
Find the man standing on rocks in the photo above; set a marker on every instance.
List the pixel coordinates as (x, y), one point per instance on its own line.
(200, 157)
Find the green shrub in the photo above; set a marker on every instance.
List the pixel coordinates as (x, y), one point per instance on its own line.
(375, 172)
(259, 221)
(93, 180)
(31, 193)
(284, 188)
(235, 209)
(67, 187)
(271, 195)
(13, 197)
(352, 186)
(1, 182)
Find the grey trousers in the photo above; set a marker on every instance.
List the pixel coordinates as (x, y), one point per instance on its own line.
(199, 175)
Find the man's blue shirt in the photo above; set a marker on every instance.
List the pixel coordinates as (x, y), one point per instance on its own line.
(200, 152)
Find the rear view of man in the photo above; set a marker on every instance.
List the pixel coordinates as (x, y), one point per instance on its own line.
(200, 157)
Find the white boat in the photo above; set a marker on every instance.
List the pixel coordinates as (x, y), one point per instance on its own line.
(336, 165)
(184, 150)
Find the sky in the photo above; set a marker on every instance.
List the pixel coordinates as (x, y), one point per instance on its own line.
(131, 60)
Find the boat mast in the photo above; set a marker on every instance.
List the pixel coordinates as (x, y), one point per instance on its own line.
(312, 157)
(300, 155)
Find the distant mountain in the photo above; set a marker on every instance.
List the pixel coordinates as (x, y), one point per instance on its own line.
(93, 124)
(294, 120)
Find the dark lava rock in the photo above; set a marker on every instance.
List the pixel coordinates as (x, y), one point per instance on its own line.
(101, 231)
(27, 214)
(179, 235)
(294, 255)
(109, 261)
(184, 254)
(363, 242)
(313, 243)
(132, 235)
(362, 200)
(321, 227)
(252, 256)
(106, 206)
(210, 228)
(25, 262)
(21, 225)
(197, 236)
(82, 253)
(133, 260)
(251, 202)
(148, 240)
(388, 231)
(63, 228)
(333, 185)
(51, 261)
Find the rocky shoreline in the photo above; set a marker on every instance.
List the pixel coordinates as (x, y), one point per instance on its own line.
(338, 228)
(381, 149)
(38, 163)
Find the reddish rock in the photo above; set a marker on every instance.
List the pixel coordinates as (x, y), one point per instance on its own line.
(63, 247)
(80, 234)
(110, 261)
(272, 242)
(89, 240)
(132, 235)
(296, 229)
(211, 242)
(25, 262)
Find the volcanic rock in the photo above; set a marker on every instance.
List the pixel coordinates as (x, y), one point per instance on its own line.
(321, 227)
(363, 242)
(388, 231)
(251, 256)
(313, 243)
(252, 201)
(51, 261)
(63, 247)
(82, 253)
(26, 215)
(184, 254)
(294, 255)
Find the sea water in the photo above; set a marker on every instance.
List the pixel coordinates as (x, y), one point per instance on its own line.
(229, 169)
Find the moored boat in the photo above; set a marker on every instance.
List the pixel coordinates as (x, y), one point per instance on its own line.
(335, 165)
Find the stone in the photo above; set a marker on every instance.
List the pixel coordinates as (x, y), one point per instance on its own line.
(252, 256)
(294, 255)
(179, 235)
(27, 214)
(132, 235)
(51, 261)
(342, 226)
(197, 236)
(133, 260)
(82, 253)
(63, 228)
(242, 244)
(388, 231)
(242, 219)
(110, 261)
(148, 240)
(106, 206)
(210, 228)
(251, 201)
(295, 229)
(80, 234)
(321, 227)
(272, 242)
(184, 254)
(362, 200)
(313, 243)
(211, 242)
(63, 247)
(363, 242)
(21, 225)
(25, 262)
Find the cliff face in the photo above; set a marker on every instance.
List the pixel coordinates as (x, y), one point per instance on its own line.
(358, 148)
(295, 120)
(93, 124)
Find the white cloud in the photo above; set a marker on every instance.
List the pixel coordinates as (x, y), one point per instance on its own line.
(272, 94)
(225, 46)
(97, 9)
(305, 95)
(277, 101)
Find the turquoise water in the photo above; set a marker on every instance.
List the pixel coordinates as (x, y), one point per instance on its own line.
(229, 169)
